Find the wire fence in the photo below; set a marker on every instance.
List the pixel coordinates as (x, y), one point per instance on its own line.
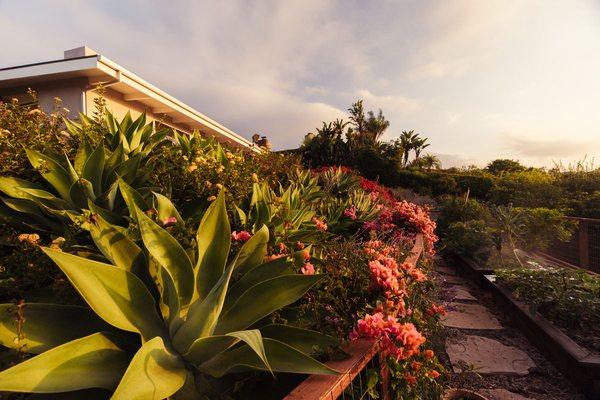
(583, 250)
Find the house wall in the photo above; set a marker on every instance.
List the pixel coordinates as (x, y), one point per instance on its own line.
(68, 90)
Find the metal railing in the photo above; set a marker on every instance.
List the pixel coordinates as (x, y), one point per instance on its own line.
(583, 250)
(352, 383)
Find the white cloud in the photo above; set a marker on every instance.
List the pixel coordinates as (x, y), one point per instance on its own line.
(389, 102)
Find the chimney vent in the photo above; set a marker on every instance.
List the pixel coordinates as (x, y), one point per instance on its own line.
(77, 52)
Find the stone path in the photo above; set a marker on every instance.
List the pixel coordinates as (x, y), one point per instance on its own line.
(469, 350)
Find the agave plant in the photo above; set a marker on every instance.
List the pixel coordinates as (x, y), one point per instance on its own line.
(349, 212)
(90, 182)
(161, 317)
(287, 212)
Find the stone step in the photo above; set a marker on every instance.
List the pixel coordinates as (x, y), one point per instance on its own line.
(487, 356)
(461, 293)
(470, 316)
(503, 394)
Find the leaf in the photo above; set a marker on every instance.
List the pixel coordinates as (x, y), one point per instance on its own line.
(133, 199)
(205, 348)
(214, 240)
(93, 169)
(203, 314)
(81, 191)
(153, 374)
(264, 298)
(15, 187)
(268, 270)
(117, 247)
(170, 255)
(253, 251)
(83, 153)
(47, 325)
(282, 358)
(52, 171)
(166, 209)
(116, 295)
(303, 340)
(93, 361)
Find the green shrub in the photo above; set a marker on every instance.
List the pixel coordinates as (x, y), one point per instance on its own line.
(26, 126)
(531, 188)
(472, 239)
(569, 298)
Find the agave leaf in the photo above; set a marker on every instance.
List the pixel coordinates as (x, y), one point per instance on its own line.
(47, 325)
(31, 214)
(52, 171)
(116, 295)
(264, 298)
(81, 191)
(243, 218)
(117, 247)
(205, 348)
(263, 272)
(203, 314)
(166, 209)
(253, 251)
(108, 216)
(93, 361)
(83, 153)
(169, 254)
(214, 241)
(153, 374)
(15, 187)
(282, 358)
(133, 199)
(303, 340)
(93, 169)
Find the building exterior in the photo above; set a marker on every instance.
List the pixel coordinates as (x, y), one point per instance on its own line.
(76, 78)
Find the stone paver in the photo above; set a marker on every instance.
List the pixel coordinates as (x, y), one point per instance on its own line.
(487, 356)
(445, 270)
(470, 316)
(452, 280)
(503, 394)
(461, 293)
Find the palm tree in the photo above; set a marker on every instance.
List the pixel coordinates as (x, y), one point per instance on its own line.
(419, 144)
(407, 143)
(429, 161)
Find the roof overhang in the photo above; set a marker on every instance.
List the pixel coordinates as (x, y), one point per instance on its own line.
(100, 70)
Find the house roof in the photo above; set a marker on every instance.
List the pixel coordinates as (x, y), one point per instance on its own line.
(98, 69)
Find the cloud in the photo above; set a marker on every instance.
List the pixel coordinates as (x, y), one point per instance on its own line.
(389, 102)
(438, 69)
(456, 160)
(526, 144)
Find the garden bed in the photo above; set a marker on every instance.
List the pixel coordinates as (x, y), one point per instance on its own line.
(352, 369)
(579, 364)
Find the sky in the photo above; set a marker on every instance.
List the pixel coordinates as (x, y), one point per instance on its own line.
(481, 79)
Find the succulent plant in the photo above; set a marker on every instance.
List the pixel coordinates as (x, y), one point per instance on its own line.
(90, 182)
(160, 317)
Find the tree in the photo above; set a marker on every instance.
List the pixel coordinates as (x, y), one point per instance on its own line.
(366, 129)
(503, 165)
(428, 162)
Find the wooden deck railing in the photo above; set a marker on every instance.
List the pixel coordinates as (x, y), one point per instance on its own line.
(363, 353)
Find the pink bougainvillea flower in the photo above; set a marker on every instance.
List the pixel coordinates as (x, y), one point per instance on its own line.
(300, 245)
(322, 226)
(308, 269)
(350, 213)
(240, 236)
(169, 221)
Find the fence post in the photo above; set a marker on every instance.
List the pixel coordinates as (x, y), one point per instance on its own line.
(584, 244)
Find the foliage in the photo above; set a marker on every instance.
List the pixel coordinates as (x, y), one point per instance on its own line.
(89, 182)
(26, 126)
(569, 298)
(472, 239)
(193, 318)
(503, 165)
(192, 172)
